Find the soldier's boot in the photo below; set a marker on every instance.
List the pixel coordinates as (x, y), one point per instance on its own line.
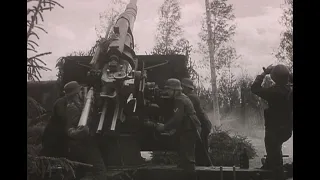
(278, 173)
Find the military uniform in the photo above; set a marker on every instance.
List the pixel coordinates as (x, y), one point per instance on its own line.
(201, 158)
(82, 146)
(186, 124)
(54, 140)
(201, 147)
(278, 120)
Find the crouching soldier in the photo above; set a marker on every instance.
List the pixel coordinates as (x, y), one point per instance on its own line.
(186, 124)
(278, 116)
(206, 126)
(82, 146)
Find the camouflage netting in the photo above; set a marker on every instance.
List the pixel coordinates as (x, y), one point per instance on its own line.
(224, 150)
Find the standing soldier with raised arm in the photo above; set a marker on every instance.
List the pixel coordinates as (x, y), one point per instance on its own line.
(82, 145)
(206, 126)
(278, 116)
(186, 124)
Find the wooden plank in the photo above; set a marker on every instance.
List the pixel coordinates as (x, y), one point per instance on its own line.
(171, 172)
(158, 172)
(203, 168)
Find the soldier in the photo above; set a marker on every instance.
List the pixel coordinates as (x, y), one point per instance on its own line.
(54, 139)
(82, 146)
(206, 126)
(186, 124)
(278, 116)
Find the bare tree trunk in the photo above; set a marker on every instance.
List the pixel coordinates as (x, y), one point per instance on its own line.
(216, 114)
(243, 107)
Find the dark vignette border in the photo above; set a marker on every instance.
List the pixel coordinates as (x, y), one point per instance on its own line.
(13, 127)
(306, 72)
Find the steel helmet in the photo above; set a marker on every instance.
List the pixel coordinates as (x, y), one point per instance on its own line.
(280, 74)
(173, 83)
(186, 82)
(72, 88)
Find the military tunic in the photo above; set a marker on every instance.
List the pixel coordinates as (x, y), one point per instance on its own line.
(201, 157)
(83, 149)
(186, 124)
(278, 121)
(54, 140)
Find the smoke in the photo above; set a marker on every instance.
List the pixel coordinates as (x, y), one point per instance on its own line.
(255, 133)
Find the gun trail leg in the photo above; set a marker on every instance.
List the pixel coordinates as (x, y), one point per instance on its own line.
(115, 116)
(102, 117)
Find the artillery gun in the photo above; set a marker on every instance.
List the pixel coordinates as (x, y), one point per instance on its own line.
(127, 93)
(130, 134)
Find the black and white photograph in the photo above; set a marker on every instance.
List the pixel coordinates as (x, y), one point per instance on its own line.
(160, 90)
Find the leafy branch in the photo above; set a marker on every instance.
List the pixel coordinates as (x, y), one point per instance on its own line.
(35, 9)
(42, 166)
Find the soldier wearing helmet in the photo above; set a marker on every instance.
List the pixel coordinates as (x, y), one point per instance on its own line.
(185, 122)
(206, 126)
(278, 116)
(82, 145)
(54, 138)
(54, 141)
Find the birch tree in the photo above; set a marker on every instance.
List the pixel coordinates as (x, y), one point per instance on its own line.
(285, 50)
(169, 29)
(217, 31)
(107, 19)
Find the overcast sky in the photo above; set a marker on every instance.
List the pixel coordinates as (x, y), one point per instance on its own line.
(73, 28)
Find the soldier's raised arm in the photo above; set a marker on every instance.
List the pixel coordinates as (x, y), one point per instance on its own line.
(257, 89)
(178, 111)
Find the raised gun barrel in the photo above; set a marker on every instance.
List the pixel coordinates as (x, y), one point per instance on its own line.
(122, 46)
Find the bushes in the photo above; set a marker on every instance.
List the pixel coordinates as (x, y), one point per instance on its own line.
(224, 150)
